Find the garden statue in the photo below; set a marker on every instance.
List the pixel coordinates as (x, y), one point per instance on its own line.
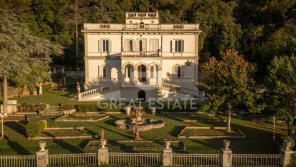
(78, 87)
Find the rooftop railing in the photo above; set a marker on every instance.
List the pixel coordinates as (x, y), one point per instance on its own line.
(133, 27)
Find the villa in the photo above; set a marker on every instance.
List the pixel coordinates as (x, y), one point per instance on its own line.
(141, 59)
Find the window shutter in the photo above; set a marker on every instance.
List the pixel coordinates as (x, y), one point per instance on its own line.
(110, 46)
(156, 44)
(126, 45)
(134, 45)
(144, 43)
(137, 43)
(173, 46)
(182, 46)
(101, 46)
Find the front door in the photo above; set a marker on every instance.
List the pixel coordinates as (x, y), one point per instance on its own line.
(142, 96)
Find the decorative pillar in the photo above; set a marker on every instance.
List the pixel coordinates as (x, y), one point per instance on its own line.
(167, 155)
(226, 154)
(40, 89)
(42, 155)
(153, 110)
(286, 154)
(103, 154)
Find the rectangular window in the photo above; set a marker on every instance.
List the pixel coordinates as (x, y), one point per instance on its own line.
(106, 45)
(140, 45)
(179, 46)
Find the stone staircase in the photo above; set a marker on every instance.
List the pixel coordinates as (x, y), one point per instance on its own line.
(51, 110)
(183, 88)
(102, 89)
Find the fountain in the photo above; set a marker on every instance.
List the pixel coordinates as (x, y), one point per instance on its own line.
(142, 124)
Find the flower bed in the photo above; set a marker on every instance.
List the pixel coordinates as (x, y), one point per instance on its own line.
(210, 133)
(64, 133)
(82, 118)
(202, 118)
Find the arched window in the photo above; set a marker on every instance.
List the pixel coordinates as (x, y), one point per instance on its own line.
(128, 72)
(179, 72)
(152, 72)
(105, 72)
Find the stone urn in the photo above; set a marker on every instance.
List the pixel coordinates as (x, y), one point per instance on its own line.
(226, 144)
(42, 145)
(153, 110)
(103, 143)
(128, 110)
(167, 144)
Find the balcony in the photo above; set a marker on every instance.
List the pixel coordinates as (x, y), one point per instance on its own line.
(141, 54)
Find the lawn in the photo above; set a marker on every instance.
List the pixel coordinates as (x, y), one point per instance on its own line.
(259, 136)
(73, 117)
(53, 97)
(208, 132)
(65, 132)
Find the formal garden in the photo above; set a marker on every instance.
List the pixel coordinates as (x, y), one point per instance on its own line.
(192, 131)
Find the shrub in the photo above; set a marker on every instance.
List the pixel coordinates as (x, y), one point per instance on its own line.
(112, 108)
(204, 107)
(35, 128)
(67, 106)
(46, 88)
(30, 107)
(43, 124)
(87, 107)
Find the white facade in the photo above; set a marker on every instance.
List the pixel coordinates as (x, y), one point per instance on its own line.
(141, 59)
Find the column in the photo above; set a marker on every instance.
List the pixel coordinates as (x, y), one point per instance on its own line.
(226, 155)
(103, 154)
(42, 155)
(167, 155)
(286, 154)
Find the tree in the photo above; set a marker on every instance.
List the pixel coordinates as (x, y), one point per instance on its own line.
(281, 88)
(228, 83)
(21, 54)
(220, 30)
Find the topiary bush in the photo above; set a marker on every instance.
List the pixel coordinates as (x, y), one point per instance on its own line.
(25, 107)
(87, 107)
(35, 128)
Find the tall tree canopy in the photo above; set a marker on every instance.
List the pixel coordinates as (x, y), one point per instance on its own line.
(228, 83)
(22, 54)
(281, 88)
